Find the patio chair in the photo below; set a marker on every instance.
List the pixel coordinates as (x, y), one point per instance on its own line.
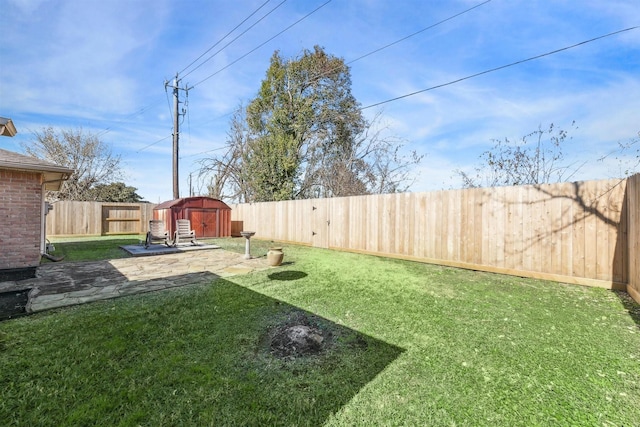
(184, 232)
(156, 233)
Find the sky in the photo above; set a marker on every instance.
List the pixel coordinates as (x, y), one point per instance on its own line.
(101, 65)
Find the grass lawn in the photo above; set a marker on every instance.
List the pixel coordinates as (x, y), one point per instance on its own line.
(93, 248)
(404, 344)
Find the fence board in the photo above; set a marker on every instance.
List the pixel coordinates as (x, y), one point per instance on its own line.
(501, 205)
(620, 262)
(452, 236)
(429, 235)
(70, 218)
(590, 240)
(357, 230)
(602, 265)
(440, 223)
(578, 240)
(548, 234)
(489, 249)
(477, 200)
(566, 231)
(538, 229)
(464, 226)
(513, 225)
(633, 230)
(485, 215)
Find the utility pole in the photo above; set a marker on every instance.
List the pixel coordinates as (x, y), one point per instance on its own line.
(176, 130)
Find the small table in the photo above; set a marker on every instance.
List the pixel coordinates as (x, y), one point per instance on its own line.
(247, 246)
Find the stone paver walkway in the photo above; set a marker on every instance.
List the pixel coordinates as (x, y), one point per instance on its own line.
(63, 284)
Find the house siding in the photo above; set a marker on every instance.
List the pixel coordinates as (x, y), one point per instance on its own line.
(20, 216)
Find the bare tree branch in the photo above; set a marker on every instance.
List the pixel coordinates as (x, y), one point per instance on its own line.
(90, 158)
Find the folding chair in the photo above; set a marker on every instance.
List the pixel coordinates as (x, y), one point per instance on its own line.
(156, 233)
(184, 232)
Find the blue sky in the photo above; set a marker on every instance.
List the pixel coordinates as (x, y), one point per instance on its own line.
(101, 65)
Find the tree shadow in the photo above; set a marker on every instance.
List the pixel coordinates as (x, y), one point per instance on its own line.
(631, 306)
(287, 275)
(205, 363)
(13, 303)
(544, 227)
(623, 254)
(604, 205)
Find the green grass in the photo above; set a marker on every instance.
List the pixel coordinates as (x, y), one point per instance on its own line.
(94, 248)
(411, 344)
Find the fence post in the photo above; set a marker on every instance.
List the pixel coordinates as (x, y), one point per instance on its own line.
(633, 211)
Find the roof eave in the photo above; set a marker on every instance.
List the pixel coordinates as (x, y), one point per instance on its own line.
(7, 128)
(4, 164)
(52, 181)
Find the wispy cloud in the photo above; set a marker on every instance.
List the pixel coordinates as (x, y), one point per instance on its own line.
(101, 65)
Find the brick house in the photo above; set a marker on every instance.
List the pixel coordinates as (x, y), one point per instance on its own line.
(24, 181)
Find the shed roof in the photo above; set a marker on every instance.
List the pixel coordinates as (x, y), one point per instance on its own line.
(200, 201)
(53, 174)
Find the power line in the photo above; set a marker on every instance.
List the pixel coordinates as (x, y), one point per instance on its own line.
(166, 92)
(263, 17)
(203, 152)
(499, 68)
(130, 116)
(153, 143)
(144, 109)
(186, 106)
(236, 38)
(217, 118)
(264, 43)
(390, 44)
(417, 32)
(225, 36)
(401, 39)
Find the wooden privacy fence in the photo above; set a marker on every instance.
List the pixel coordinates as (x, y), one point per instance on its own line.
(583, 233)
(96, 218)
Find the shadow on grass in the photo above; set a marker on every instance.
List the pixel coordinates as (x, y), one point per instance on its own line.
(632, 307)
(196, 355)
(287, 275)
(13, 303)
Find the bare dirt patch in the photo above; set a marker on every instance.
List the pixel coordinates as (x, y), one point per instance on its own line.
(298, 335)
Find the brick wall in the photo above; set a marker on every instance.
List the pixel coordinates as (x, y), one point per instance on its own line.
(20, 210)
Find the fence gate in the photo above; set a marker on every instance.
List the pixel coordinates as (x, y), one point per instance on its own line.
(320, 223)
(119, 219)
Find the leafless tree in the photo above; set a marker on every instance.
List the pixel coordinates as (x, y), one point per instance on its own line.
(627, 155)
(372, 164)
(90, 158)
(223, 174)
(537, 158)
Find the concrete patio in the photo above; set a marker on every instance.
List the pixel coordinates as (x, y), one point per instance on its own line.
(69, 283)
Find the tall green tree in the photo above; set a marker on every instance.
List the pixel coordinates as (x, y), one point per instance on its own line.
(116, 192)
(304, 136)
(303, 116)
